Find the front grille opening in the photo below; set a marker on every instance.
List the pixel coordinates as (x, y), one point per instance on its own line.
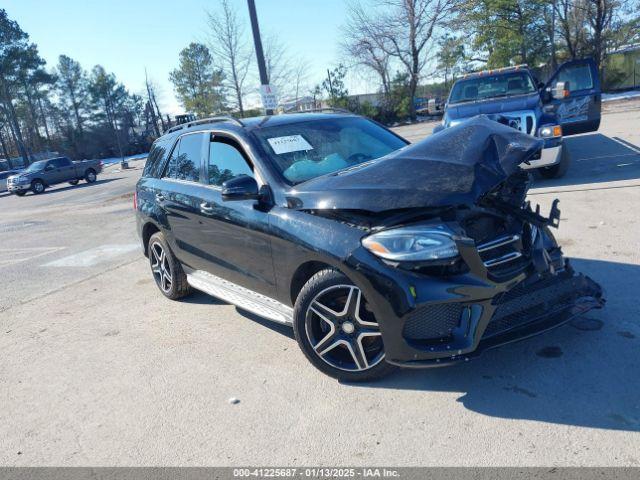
(529, 125)
(525, 303)
(432, 324)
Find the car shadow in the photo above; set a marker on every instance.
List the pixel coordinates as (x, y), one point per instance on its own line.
(584, 373)
(596, 158)
(82, 184)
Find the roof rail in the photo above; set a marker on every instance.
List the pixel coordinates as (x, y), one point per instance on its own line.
(319, 110)
(206, 120)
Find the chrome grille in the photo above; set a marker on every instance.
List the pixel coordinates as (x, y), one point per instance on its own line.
(525, 121)
(499, 251)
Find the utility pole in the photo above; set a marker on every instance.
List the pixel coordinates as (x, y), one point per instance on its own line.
(255, 29)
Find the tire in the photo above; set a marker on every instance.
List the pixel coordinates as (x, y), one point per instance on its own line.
(73, 182)
(327, 318)
(90, 175)
(37, 186)
(167, 270)
(20, 193)
(559, 170)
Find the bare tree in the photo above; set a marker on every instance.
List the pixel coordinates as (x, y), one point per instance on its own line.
(405, 31)
(571, 18)
(300, 79)
(279, 65)
(227, 42)
(361, 45)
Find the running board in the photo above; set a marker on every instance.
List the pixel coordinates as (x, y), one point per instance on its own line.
(241, 297)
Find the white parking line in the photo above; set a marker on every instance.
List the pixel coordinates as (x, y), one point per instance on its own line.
(93, 256)
(11, 256)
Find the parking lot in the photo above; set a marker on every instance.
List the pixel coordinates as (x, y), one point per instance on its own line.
(100, 369)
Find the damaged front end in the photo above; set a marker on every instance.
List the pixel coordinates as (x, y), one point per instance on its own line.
(508, 279)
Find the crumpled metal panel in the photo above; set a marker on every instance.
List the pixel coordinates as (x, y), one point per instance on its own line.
(454, 167)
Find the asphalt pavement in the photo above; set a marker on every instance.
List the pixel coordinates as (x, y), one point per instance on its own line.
(99, 369)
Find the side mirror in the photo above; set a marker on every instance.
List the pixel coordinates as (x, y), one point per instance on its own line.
(242, 187)
(560, 90)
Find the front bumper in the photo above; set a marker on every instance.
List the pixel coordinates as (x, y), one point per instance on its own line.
(550, 155)
(428, 321)
(17, 187)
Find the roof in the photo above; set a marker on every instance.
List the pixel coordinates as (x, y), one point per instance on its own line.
(250, 123)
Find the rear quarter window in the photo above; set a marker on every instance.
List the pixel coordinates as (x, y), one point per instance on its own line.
(156, 158)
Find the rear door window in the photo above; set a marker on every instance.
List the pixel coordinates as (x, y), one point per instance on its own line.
(185, 160)
(226, 161)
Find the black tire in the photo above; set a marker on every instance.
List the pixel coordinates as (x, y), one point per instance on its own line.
(305, 321)
(73, 182)
(20, 193)
(559, 170)
(178, 286)
(90, 175)
(37, 186)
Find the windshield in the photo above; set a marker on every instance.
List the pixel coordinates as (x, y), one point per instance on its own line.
(491, 86)
(305, 150)
(36, 166)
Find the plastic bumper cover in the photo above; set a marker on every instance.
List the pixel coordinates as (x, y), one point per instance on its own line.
(460, 317)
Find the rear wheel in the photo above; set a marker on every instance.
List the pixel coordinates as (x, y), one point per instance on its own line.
(90, 176)
(37, 186)
(166, 269)
(337, 331)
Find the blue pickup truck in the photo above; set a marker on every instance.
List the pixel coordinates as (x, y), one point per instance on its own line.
(568, 104)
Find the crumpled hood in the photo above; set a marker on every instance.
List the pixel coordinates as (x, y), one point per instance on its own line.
(494, 105)
(455, 167)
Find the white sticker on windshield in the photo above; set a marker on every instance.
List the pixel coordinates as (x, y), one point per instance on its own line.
(288, 144)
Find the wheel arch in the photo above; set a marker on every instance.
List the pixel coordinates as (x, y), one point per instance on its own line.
(302, 275)
(148, 230)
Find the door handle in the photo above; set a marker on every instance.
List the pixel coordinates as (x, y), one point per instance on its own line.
(206, 207)
(159, 197)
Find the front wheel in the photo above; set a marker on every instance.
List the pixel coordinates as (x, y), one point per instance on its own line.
(20, 193)
(73, 182)
(337, 331)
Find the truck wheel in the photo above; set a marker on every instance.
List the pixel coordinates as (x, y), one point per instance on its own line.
(166, 269)
(559, 170)
(73, 182)
(336, 331)
(20, 193)
(90, 176)
(37, 186)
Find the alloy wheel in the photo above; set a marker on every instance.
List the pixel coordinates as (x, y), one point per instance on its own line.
(342, 331)
(160, 267)
(91, 177)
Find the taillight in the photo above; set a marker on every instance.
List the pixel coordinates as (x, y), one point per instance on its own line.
(135, 200)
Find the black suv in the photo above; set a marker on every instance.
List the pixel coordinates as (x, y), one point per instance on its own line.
(379, 253)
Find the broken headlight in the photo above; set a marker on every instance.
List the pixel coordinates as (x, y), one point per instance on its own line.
(412, 244)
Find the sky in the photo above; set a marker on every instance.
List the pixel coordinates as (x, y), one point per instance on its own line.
(127, 36)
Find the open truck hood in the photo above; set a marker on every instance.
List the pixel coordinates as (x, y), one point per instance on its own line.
(455, 167)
